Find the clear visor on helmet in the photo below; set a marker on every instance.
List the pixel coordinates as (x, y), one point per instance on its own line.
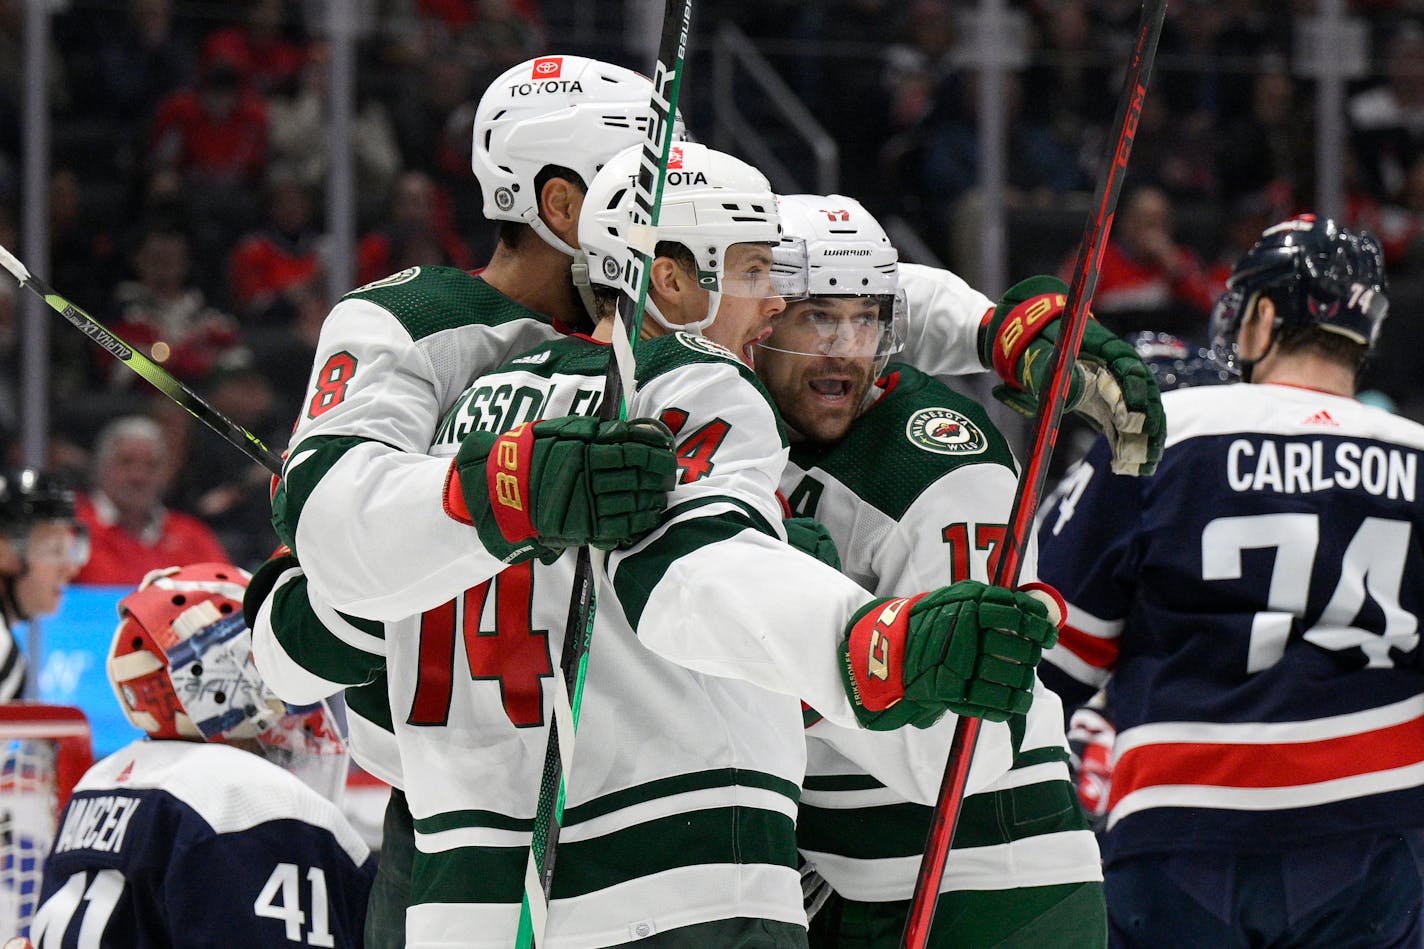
(851, 327)
(750, 270)
(307, 742)
(215, 679)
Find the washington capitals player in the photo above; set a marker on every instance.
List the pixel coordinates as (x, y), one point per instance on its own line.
(210, 832)
(1254, 610)
(914, 485)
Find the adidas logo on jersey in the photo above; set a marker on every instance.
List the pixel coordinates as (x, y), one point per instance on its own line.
(532, 360)
(1320, 418)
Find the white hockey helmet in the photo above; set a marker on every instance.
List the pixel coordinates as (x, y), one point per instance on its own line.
(569, 111)
(843, 252)
(711, 201)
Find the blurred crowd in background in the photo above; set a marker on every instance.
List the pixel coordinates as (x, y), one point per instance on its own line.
(189, 158)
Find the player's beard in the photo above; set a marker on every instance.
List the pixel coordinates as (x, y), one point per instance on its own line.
(818, 415)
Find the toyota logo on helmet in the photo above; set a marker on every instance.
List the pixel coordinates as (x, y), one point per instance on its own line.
(548, 67)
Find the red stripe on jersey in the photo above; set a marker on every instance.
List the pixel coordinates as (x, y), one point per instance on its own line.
(1094, 650)
(1288, 764)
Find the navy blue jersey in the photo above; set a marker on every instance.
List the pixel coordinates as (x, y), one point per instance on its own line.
(1253, 610)
(175, 843)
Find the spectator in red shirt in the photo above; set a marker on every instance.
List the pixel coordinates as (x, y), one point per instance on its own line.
(279, 262)
(265, 58)
(1148, 280)
(130, 531)
(419, 232)
(214, 134)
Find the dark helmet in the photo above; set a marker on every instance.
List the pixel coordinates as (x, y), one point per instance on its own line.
(1177, 364)
(28, 496)
(1316, 273)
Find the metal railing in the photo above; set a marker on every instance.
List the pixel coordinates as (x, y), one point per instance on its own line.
(734, 57)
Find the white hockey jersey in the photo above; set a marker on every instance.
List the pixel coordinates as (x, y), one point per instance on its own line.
(392, 358)
(917, 495)
(682, 795)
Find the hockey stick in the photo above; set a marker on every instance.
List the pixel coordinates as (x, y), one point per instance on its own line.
(1030, 488)
(618, 389)
(160, 378)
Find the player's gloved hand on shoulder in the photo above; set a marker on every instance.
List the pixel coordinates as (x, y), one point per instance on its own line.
(1112, 387)
(970, 648)
(810, 536)
(556, 483)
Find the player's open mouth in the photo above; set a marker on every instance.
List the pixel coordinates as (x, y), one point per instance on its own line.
(831, 389)
(749, 349)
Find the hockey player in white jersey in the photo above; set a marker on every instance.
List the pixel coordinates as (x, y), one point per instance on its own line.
(692, 845)
(1253, 611)
(219, 829)
(391, 360)
(914, 485)
(42, 547)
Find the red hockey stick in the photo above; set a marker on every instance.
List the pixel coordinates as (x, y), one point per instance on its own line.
(1030, 489)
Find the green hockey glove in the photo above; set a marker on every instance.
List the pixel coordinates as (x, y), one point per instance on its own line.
(263, 580)
(970, 648)
(544, 486)
(1112, 386)
(810, 536)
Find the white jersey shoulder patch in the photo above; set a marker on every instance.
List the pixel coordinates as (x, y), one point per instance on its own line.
(702, 344)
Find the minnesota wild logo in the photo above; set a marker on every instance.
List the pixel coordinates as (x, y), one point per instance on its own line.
(702, 344)
(945, 432)
(395, 279)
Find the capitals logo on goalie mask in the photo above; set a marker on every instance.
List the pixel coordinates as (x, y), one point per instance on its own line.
(181, 659)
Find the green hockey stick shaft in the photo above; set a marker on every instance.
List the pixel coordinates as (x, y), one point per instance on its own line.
(617, 392)
(160, 378)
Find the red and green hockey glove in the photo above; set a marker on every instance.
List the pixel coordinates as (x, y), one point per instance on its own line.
(970, 648)
(547, 485)
(810, 536)
(1112, 386)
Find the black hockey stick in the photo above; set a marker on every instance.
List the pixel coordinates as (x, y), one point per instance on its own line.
(1050, 414)
(160, 378)
(617, 392)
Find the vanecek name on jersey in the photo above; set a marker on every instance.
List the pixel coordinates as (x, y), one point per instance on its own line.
(202, 845)
(917, 495)
(1314, 653)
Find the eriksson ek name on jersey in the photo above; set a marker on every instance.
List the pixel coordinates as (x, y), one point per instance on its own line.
(498, 408)
(1301, 467)
(97, 823)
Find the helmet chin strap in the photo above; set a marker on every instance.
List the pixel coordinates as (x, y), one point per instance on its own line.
(532, 218)
(579, 271)
(714, 302)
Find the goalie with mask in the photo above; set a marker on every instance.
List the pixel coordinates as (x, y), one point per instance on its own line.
(221, 826)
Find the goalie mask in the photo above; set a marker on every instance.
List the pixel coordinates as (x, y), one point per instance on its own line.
(181, 667)
(711, 201)
(854, 306)
(569, 111)
(1316, 273)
